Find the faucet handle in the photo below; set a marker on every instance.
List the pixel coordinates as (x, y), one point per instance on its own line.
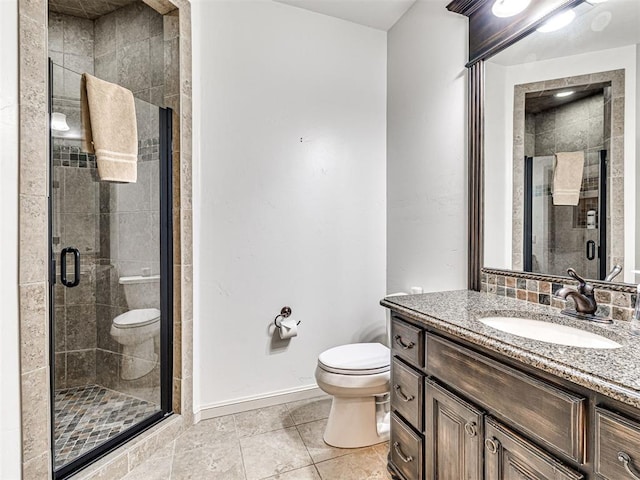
(583, 286)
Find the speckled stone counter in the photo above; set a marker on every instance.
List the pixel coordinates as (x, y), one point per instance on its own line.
(611, 372)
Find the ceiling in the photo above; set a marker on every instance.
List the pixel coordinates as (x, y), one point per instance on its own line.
(379, 14)
(90, 9)
(602, 26)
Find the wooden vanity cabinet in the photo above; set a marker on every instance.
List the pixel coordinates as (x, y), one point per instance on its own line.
(471, 414)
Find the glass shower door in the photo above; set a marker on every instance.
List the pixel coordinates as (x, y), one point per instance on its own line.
(561, 236)
(110, 251)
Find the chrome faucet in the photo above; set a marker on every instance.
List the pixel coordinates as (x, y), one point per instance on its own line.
(613, 273)
(583, 297)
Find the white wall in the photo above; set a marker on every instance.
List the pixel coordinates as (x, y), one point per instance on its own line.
(500, 82)
(426, 153)
(10, 443)
(290, 193)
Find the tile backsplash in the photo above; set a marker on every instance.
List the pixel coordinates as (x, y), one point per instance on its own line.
(614, 301)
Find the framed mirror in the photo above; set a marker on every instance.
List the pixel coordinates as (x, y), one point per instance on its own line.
(556, 143)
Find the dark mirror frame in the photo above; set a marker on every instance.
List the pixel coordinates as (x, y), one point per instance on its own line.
(489, 35)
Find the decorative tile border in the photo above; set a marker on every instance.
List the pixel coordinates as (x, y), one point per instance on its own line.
(615, 301)
(33, 241)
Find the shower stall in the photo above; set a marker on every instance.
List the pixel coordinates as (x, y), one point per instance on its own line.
(557, 237)
(110, 284)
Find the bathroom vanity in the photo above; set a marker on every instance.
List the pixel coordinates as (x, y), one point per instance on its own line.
(471, 402)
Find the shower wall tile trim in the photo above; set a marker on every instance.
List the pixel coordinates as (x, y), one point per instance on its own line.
(33, 241)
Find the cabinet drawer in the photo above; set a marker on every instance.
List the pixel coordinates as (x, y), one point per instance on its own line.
(551, 416)
(405, 449)
(407, 342)
(617, 446)
(509, 456)
(406, 393)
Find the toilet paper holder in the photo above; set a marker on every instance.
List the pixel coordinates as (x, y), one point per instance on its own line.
(285, 312)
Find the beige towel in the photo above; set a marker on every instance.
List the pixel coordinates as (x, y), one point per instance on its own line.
(567, 178)
(109, 128)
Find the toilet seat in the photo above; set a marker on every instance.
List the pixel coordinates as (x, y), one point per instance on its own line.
(356, 359)
(137, 318)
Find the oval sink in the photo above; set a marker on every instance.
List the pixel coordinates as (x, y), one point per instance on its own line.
(549, 332)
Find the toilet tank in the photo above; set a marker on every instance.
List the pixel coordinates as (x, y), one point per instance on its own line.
(141, 291)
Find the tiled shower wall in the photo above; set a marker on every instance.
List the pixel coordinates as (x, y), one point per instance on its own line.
(75, 197)
(129, 51)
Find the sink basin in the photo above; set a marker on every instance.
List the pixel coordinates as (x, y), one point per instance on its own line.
(549, 332)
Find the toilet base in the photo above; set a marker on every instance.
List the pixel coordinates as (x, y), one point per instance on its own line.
(138, 360)
(353, 423)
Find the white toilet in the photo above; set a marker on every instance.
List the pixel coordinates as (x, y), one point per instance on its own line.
(138, 329)
(356, 375)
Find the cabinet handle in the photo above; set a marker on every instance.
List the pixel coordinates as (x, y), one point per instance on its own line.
(628, 465)
(403, 457)
(492, 445)
(405, 346)
(403, 397)
(470, 428)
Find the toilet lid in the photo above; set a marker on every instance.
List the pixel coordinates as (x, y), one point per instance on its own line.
(356, 359)
(137, 318)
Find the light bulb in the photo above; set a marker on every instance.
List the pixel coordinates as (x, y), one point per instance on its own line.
(565, 94)
(509, 8)
(59, 122)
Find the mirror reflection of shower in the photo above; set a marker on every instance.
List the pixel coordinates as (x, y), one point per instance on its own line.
(557, 234)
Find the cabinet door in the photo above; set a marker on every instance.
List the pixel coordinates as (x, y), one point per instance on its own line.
(509, 456)
(454, 436)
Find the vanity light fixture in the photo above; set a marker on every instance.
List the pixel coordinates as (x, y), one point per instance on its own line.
(509, 8)
(558, 21)
(59, 122)
(565, 94)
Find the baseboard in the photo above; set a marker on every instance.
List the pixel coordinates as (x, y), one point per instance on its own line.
(244, 404)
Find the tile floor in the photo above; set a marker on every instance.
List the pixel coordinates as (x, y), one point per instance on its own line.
(283, 442)
(89, 415)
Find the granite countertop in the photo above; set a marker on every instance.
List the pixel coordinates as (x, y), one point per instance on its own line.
(611, 372)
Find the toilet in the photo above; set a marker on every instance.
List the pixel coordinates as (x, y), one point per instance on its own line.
(138, 329)
(356, 375)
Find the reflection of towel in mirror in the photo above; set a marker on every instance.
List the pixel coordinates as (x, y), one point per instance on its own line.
(109, 128)
(567, 178)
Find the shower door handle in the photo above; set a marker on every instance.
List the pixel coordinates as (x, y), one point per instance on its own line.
(63, 267)
(591, 250)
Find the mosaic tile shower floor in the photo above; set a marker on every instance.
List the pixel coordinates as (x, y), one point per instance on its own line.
(89, 415)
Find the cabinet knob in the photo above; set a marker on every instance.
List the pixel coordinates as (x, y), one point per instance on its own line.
(405, 346)
(492, 445)
(470, 428)
(403, 397)
(628, 465)
(403, 457)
